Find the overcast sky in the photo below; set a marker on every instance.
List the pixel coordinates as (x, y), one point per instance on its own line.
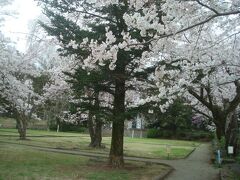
(16, 27)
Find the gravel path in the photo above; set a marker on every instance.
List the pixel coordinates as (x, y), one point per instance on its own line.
(196, 167)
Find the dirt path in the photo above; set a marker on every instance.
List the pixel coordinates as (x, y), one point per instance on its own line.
(196, 167)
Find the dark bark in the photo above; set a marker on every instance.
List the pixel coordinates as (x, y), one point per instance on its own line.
(116, 153)
(91, 128)
(96, 141)
(231, 134)
(220, 131)
(22, 127)
(95, 131)
(219, 119)
(95, 128)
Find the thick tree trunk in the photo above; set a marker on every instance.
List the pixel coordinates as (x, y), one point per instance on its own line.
(95, 132)
(220, 131)
(95, 129)
(91, 128)
(116, 153)
(231, 134)
(98, 124)
(96, 141)
(219, 119)
(22, 127)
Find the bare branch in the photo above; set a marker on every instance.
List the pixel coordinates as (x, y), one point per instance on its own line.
(95, 15)
(235, 102)
(208, 7)
(190, 27)
(202, 113)
(198, 97)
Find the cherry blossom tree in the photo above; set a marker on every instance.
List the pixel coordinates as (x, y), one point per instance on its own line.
(17, 95)
(16, 90)
(201, 63)
(128, 35)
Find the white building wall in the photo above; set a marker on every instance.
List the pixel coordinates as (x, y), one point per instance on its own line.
(139, 122)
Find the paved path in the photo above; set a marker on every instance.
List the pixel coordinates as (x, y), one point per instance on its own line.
(196, 167)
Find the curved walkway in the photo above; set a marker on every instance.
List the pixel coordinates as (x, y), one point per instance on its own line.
(195, 167)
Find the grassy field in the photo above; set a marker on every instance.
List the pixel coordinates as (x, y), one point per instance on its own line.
(152, 148)
(18, 162)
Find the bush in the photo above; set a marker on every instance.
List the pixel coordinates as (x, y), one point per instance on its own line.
(167, 134)
(222, 143)
(182, 135)
(68, 127)
(238, 158)
(153, 133)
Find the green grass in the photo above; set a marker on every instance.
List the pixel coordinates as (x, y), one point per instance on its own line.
(152, 148)
(19, 162)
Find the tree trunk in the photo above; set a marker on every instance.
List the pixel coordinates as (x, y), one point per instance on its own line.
(116, 153)
(219, 119)
(220, 131)
(91, 128)
(95, 131)
(231, 134)
(22, 127)
(97, 140)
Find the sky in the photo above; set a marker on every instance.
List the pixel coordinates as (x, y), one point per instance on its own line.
(17, 27)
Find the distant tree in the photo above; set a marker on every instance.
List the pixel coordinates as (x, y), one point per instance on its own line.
(177, 117)
(89, 87)
(16, 89)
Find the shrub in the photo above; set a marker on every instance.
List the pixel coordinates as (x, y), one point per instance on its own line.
(153, 133)
(183, 134)
(238, 158)
(222, 143)
(68, 127)
(167, 134)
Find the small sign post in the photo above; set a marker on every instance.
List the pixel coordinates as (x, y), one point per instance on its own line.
(230, 149)
(219, 158)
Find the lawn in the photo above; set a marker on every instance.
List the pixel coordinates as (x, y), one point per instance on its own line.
(19, 162)
(151, 148)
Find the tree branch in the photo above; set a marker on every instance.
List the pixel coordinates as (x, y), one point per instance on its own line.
(198, 97)
(202, 113)
(208, 7)
(209, 95)
(235, 102)
(190, 27)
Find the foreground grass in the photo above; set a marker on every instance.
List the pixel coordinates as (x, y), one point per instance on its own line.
(18, 162)
(152, 148)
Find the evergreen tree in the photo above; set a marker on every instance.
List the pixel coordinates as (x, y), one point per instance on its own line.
(88, 88)
(97, 34)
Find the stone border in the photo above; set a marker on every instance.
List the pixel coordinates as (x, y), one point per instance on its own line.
(165, 175)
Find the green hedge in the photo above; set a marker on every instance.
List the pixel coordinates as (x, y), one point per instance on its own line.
(153, 133)
(183, 135)
(67, 127)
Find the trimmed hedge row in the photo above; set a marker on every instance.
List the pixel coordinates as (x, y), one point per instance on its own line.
(183, 135)
(67, 127)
